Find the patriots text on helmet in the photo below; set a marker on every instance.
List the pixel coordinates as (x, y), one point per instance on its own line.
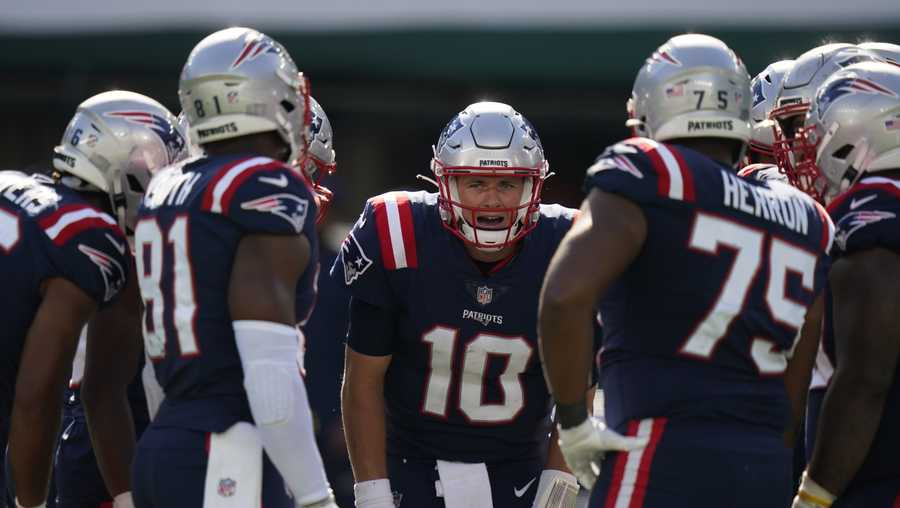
(702, 125)
(493, 163)
(229, 127)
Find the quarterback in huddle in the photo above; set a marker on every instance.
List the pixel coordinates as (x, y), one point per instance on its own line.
(444, 400)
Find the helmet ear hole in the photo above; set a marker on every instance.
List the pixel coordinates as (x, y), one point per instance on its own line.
(133, 184)
(288, 107)
(842, 152)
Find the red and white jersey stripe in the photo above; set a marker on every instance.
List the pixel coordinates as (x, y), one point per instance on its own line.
(674, 177)
(632, 469)
(396, 232)
(223, 186)
(68, 221)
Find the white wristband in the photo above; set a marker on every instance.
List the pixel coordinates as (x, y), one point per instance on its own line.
(811, 491)
(373, 494)
(556, 489)
(123, 500)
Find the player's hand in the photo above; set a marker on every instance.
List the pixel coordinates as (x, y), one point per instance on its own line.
(584, 446)
(557, 489)
(812, 495)
(373, 494)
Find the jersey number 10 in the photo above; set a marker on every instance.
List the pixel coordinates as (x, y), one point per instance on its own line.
(441, 342)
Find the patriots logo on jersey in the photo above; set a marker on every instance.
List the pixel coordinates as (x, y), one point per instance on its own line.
(615, 162)
(841, 87)
(168, 134)
(354, 258)
(854, 221)
(287, 206)
(111, 270)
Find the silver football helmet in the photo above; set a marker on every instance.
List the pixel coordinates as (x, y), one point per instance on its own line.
(886, 51)
(692, 86)
(852, 127)
(765, 88)
(798, 89)
(113, 144)
(320, 161)
(239, 81)
(489, 139)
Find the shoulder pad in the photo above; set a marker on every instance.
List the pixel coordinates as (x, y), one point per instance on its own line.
(867, 216)
(262, 195)
(645, 170)
(558, 213)
(70, 220)
(763, 172)
(89, 249)
(393, 214)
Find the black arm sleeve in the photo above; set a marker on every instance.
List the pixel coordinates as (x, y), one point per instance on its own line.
(372, 328)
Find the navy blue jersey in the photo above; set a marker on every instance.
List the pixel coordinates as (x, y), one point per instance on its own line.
(189, 225)
(867, 216)
(48, 231)
(465, 380)
(699, 325)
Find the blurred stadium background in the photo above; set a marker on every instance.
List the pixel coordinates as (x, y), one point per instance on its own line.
(391, 73)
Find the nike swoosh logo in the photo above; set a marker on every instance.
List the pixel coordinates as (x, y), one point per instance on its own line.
(281, 181)
(854, 204)
(521, 492)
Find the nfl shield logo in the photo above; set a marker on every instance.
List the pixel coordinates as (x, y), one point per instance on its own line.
(227, 487)
(484, 295)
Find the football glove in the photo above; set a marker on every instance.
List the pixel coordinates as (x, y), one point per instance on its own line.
(584, 446)
(557, 489)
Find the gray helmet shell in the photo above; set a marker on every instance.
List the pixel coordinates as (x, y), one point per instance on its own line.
(692, 86)
(114, 142)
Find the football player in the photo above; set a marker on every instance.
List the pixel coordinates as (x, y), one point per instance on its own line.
(443, 399)
(115, 131)
(65, 260)
(704, 280)
(798, 87)
(851, 137)
(226, 260)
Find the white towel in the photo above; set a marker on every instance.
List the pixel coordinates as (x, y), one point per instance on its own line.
(465, 485)
(234, 472)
